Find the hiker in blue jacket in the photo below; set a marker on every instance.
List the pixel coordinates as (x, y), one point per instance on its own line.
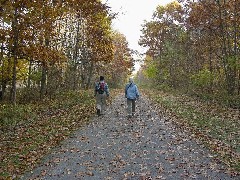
(132, 94)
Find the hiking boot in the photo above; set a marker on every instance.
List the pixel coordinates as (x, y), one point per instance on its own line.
(98, 112)
(129, 116)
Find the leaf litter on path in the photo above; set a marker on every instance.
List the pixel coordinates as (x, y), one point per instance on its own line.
(147, 146)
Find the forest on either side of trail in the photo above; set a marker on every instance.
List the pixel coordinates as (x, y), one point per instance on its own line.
(53, 51)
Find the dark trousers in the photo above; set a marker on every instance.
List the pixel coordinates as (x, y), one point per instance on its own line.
(131, 106)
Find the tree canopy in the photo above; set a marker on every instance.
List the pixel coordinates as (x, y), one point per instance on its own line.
(54, 45)
(194, 46)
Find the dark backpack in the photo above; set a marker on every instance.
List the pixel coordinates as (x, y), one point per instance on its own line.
(101, 87)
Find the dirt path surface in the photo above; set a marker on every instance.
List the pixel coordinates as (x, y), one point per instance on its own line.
(146, 146)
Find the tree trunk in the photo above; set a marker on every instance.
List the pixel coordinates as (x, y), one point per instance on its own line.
(4, 86)
(75, 76)
(90, 75)
(2, 72)
(236, 54)
(15, 49)
(43, 81)
(238, 89)
(210, 59)
(230, 72)
(29, 75)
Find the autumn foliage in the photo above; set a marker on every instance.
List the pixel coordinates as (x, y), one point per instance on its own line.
(45, 41)
(194, 46)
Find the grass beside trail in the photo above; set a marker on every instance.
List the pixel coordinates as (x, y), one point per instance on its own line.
(29, 131)
(217, 127)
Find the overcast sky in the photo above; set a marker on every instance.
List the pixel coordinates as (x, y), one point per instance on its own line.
(132, 14)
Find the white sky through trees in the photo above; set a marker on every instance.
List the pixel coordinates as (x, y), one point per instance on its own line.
(131, 15)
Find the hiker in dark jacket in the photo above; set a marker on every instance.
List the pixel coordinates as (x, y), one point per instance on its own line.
(101, 94)
(131, 93)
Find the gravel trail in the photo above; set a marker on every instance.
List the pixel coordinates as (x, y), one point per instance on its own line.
(147, 146)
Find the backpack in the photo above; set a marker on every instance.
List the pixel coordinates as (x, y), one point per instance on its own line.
(101, 87)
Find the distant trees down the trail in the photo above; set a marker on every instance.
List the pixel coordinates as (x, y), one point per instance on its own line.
(194, 46)
(49, 46)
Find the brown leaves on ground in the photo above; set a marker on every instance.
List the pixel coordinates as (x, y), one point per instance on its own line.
(25, 144)
(215, 126)
(145, 146)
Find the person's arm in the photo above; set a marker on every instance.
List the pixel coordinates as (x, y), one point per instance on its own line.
(95, 89)
(137, 92)
(107, 89)
(126, 88)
